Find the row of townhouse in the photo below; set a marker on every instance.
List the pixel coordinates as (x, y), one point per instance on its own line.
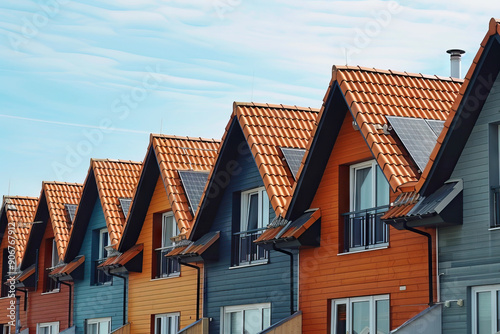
(378, 213)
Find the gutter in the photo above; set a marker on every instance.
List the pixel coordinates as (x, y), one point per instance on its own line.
(198, 288)
(70, 295)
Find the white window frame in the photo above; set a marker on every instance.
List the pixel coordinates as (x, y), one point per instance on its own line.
(172, 232)
(241, 308)
(55, 254)
(263, 208)
(6, 329)
(352, 189)
(493, 289)
(99, 321)
(175, 316)
(349, 301)
(102, 250)
(54, 326)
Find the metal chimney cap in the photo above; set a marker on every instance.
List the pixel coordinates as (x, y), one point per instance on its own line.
(455, 52)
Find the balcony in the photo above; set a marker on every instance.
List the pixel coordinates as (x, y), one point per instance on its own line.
(100, 278)
(364, 229)
(245, 251)
(166, 267)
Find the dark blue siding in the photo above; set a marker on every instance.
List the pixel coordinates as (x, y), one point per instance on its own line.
(266, 283)
(92, 301)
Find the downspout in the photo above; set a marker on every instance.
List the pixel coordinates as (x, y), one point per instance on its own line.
(429, 258)
(124, 295)
(25, 297)
(70, 295)
(198, 289)
(291, 274)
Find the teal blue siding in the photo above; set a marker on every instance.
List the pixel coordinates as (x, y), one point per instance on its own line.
(469, 255)
(264, 283)
(92, 301)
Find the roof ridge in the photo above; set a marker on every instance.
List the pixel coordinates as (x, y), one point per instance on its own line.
(20, 197)
(156, 135)
(336, 68)
(62, 183)
(274, 106)
(116, 160)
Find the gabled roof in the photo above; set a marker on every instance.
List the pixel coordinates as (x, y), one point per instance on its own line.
(51, 205)
(266, 128)
(166, 156)
(18, 211)
(109, 181)
(464, 112)
(370, 95)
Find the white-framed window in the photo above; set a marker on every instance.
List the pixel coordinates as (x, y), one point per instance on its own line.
(245, 319)
(99, 326)
(47, 328)
(100, 277)
(369, 199)
(50, 262)
(167, 267)
(104, 241)
(167, 323)
(169, 229)
(361, 315)
(55, 255)
(254, 209)
(5, 329)
(486, 309)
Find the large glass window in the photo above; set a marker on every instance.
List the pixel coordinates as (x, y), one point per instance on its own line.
(99, 326)
(486, 309)
(246, 319)
(167, 323)
(103, 241)
(369, 199)
(167, 266)
(51, 260)
(47, 328)
(361, 315)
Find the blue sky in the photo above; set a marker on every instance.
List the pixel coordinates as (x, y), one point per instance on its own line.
(91, 79)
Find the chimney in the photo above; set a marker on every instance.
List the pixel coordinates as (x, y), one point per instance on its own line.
(455, 57)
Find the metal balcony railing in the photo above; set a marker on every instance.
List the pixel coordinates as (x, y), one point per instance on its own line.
(363, 229)
(245, 251)
(100, 277)
(496, 206)
(166, 267)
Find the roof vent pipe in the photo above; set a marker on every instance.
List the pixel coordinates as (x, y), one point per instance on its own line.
(455, 59)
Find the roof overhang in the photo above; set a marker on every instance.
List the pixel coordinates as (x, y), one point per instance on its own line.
(27, 278)
(69, 271)
(130, 260)
(204, 249)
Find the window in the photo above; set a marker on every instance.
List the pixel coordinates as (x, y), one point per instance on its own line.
(167, 267)
(494, 176)
(5, 329)
(246, 319)
(486, 309)
(369, 199)
(5, 270)
(51, 260)
(47, 328)
(167, 323)
(361, 315)
(103, 241)
(99, 326)
(253, 220)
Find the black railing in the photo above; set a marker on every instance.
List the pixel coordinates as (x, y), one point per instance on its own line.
(50, 284)
(166, 267)
(496, 206)
(100, 276)
(363, 229)
(245, 251)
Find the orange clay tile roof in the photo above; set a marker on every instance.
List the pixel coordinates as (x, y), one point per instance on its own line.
(372, 94)
(20, 212)
(67, 269)
(494, 29)
(122, 259)
(175, 153)
(115, 179)
(58, 194)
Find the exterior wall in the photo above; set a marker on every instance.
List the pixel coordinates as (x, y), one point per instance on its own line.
(267, 283)
(164, 295)
(51, 306)
(96, 301)
(468, 254)
(327, 275)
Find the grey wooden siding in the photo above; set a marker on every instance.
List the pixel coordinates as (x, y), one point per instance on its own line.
(268, 283)
(91, 301)
(469, 255)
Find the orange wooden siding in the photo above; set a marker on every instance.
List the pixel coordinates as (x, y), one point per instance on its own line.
(326, 275)
(147, 296)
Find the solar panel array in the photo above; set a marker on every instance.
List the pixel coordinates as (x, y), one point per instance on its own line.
(293, 157)
(419, 136)
(194, 184)
(125, 204)
(71, 209)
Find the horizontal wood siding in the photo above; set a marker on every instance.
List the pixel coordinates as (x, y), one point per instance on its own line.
(122, 330)
(47, 307)
(268, 283)
(469, 255)
(167, 295)
(96, 301)
(326, 275)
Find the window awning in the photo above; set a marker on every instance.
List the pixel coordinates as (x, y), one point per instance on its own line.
(69, 271)
(205, 248)
(131, 260)
(27, 278)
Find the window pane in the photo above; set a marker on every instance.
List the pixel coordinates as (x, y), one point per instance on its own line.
(167, 229)
(235, 323)
(158, 326)
(253, 212)
(363, 189)
(264, 221)
(253, 321)
(382, 188)
(484, 313)
(382, 316)
(361, 317)
(341, 316)
(498, 311)
(92, 329)
(104, 327)
(266, 318)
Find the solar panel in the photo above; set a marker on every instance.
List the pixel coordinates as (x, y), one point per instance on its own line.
(417, 136)
(293, 157)
(436, 126)
(71, 209)
(125, 204)
(194, 184)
